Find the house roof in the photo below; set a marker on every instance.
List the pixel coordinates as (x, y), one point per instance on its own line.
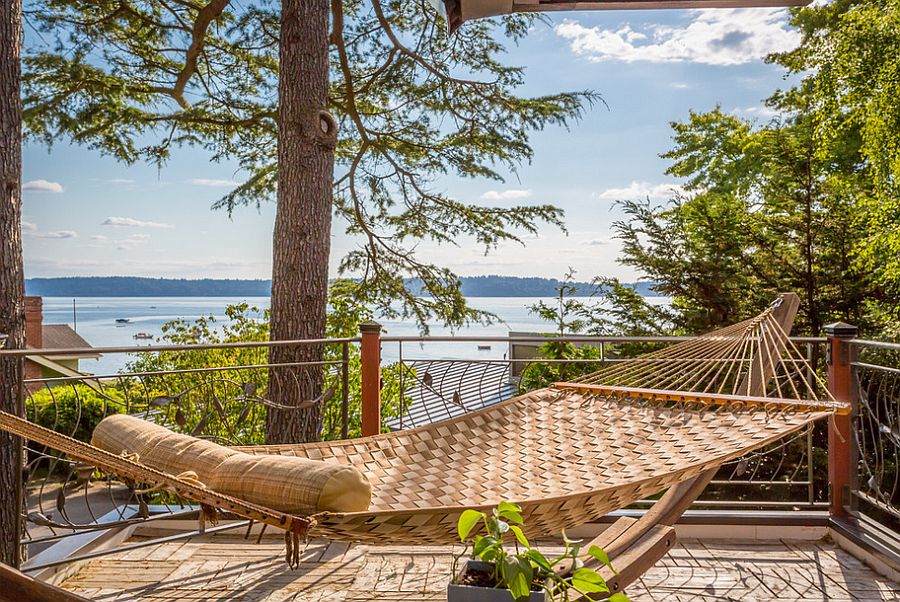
(61, 336)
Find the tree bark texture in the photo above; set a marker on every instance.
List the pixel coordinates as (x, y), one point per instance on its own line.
(12, 302)
(302, 238)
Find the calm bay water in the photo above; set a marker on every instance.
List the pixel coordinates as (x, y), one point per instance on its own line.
(95, 320)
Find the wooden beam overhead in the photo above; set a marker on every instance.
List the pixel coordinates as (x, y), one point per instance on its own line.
(457, 12)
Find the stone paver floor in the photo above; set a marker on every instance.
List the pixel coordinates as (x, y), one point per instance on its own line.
(228, 568)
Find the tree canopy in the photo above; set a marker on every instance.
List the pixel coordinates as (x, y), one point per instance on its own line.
(135, 80)
(806, 202)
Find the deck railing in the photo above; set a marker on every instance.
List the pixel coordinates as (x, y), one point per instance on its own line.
(221, 392)
(874, 485)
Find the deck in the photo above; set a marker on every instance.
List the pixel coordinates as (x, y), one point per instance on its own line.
(227, 567)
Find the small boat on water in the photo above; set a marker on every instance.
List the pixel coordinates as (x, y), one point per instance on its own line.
(143, 335)
(484, 348)
(123, 320)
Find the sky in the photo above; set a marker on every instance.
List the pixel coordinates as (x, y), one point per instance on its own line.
(87, 215)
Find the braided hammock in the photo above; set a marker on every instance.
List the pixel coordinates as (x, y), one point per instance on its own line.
(566, 454)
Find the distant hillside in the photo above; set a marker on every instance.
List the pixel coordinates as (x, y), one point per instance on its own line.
(131, 286)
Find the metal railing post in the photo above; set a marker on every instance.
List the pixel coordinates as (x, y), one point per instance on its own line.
(842, 465)
(370, 375)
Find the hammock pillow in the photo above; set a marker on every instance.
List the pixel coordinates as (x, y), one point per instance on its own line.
(284, 483)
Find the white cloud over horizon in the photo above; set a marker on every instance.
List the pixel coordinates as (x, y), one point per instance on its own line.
(641, 190)
(712, 37)
(506, 195)
(29, 227)
(130, 222)
(43, 186)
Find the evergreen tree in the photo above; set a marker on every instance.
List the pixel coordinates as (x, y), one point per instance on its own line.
(409, 104)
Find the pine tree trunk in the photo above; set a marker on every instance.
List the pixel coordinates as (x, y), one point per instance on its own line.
(12, 303)
(302, 239)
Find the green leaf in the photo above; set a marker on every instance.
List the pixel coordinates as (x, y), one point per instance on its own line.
(510, 512)
(588, 581)
(600, 554)
(467, 521)
(618, 598)
(520, 536)
(539, 559)
(483, 544)
(517, 574)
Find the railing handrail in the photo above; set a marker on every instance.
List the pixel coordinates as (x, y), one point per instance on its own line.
(549, 337)
(553, 337)
(158, 348)
(878, 344)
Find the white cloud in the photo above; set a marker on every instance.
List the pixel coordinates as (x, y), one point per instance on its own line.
(43, 186)
(713, 37)
(215, 183)
(120, 181)
(641, 190)
(129, 222)
(762, 111)
(29, 227)
(57, 234)
(132, 242)
(505, 195)
(99, 237)
(595, 242)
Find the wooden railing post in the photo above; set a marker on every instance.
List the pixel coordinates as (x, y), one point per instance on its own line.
(841, 447)
(370, 375)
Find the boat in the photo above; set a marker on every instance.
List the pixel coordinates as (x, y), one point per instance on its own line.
(484, 348)
(123, 320)
(143, 335)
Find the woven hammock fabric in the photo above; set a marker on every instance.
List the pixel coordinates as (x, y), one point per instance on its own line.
(566, 457)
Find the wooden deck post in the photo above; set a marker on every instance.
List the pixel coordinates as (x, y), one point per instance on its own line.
(841, 446)
(370, 375)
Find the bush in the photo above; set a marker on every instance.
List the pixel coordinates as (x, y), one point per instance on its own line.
(539, 375)
(73, 409)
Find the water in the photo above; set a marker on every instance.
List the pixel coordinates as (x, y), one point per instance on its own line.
(96, 323)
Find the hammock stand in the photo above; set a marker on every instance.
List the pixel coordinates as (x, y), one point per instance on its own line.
(566, 454)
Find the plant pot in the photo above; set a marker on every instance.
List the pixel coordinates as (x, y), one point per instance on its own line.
(470, 593)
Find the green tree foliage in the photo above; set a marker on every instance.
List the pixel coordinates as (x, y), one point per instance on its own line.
(568, 361)
(136, 80)
(849, 61)
(229, 403)
(764, 211)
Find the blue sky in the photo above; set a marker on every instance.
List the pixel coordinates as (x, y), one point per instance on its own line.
(87, 215)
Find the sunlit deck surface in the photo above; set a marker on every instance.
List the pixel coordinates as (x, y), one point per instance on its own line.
(228, 567)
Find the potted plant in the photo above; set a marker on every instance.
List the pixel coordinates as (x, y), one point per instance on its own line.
(495, 572)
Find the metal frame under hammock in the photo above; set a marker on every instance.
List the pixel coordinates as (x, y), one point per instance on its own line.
(566, 454)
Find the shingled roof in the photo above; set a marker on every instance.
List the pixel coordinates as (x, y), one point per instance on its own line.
(61, 336)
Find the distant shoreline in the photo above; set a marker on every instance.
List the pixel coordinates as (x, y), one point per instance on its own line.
(133, 286)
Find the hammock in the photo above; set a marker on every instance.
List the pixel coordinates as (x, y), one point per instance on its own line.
(566, 454)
